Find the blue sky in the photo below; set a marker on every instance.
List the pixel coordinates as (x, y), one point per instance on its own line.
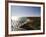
(25, 11)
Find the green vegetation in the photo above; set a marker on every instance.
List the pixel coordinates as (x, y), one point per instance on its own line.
(35, 25)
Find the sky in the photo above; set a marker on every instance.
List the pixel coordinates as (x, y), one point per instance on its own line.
(25, 11)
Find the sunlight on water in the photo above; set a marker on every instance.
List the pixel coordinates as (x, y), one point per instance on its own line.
(15, 18)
